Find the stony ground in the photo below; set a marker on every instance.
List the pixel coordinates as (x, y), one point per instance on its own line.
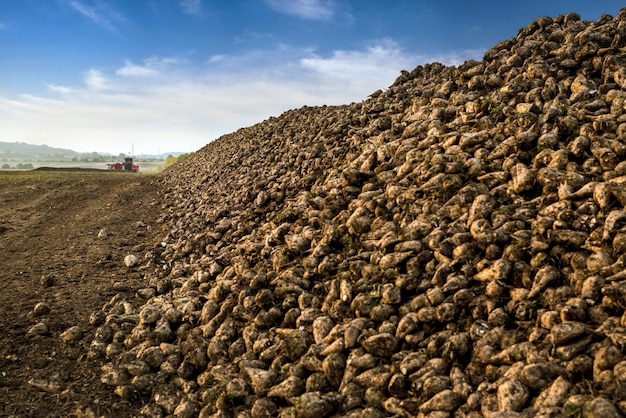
(53, 259)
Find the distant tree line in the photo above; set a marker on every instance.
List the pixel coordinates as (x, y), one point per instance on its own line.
(93, 157)
(19, 166)
(171, 160)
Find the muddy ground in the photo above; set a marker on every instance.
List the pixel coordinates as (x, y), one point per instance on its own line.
(50, 252)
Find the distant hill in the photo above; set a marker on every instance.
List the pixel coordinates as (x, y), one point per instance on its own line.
(21, 150)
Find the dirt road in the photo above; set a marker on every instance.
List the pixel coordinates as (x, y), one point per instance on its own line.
(51, 254)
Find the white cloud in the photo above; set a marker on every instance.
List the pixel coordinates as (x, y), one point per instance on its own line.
(457, 57)
(183, 108)
(95, 80)
(383, 60)
(191, 7)
(305, 9)
(217, 58)
(60, 89)
(151, 67)
(101, 13)
(130, 69)
(158, 62)
(39, 101)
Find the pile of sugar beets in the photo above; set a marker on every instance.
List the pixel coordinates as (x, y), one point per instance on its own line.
(452, 246)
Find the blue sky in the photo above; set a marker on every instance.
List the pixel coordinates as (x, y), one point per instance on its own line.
(172, 75)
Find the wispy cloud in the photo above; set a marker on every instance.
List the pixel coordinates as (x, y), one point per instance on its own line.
(2, 26)
(191, 7)
(95, 80)
(101, 13)
(364, 67)
(305, 9)
(60, 89)
(455, 57)
(43, 102)
(151, 67)
(247, 36)
(168, 103)
(134, 70)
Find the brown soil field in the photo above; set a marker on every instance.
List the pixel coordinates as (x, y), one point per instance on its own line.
(51, 254)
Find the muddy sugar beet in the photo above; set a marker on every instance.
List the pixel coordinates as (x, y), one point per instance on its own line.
(452, 246)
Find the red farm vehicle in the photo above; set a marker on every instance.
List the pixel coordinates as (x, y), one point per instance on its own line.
(126, 166)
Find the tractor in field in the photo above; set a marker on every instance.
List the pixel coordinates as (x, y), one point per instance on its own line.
(126, 166)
